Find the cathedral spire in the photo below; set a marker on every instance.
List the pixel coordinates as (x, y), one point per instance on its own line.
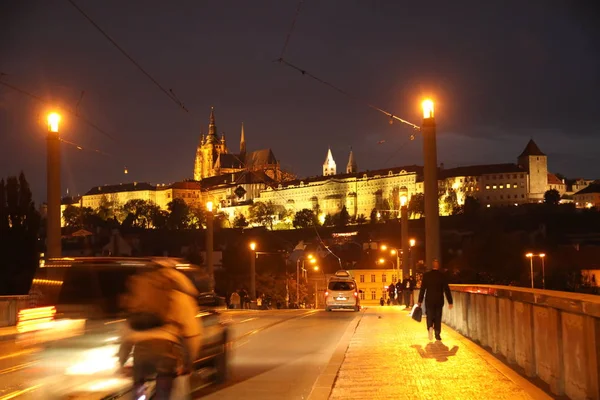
(329, 164)
(212, 128)
(351, 167)
(242, 141)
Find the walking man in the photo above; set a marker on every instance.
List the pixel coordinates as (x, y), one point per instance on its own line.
(433, 288)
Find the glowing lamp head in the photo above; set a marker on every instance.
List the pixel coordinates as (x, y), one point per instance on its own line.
(381, 261)
(427, 108)
(310, 256)
(529, 255)
(53, 120)
(316, 267)
(403, 200)
(542, 255)
(209, 206)
(412, 242)
(383, 247)
(393, 252)
(252, 246)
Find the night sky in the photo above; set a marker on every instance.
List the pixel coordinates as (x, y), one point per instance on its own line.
(500, 74)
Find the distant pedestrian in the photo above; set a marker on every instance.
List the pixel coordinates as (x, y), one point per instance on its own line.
(234, 300)
(392, 291)
(411, 288)
(381, 301)
(433, 288)
(243, 294)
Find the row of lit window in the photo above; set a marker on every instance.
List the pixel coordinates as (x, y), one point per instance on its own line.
(508, 186)
(383, 278)
(514, 176)
(507, 197)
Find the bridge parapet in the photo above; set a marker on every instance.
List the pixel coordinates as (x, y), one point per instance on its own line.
(551, 335)
(9, 309)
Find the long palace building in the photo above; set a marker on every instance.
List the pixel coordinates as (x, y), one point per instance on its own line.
(234, 181)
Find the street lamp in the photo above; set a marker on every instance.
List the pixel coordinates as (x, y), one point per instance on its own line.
(432, 221)
(253, 271)
(542, 256)
(53, 233)
(383, 247)
(404, 233)
(209, 243)
(412, 243)
(530, 256)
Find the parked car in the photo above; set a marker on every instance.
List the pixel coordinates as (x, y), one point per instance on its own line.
(76, 317)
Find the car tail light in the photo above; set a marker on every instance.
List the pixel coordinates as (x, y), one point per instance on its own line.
(31, 319)
(355, 294)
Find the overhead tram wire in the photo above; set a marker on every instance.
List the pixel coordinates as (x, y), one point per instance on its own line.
(74, 113)
(169, 92)
(345, 93)
(291, 30)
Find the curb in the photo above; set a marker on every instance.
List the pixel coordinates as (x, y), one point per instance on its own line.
(324, 383)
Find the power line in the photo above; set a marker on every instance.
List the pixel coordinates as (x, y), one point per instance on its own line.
(169, 92)
(345, 93)
(289, 35)
(74, 113)
(81, 148)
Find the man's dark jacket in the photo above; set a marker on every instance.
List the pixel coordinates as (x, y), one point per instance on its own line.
(433, 287)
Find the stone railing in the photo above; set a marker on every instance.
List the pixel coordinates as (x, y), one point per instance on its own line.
(9, 309)
(550, 335)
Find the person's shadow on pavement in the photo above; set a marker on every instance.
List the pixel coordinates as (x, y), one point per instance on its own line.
(438, 351)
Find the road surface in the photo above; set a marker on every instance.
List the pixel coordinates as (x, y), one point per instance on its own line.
(275, 354)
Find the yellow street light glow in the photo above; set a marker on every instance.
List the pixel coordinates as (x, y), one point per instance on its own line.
(393, 252)
(427, 108)
(529, 255)
(381, 261)
(383, 247)
(403, 200)
(316, 267)
(542, 255)
(412, 242)
(252, 246)
(53, 120)
(312, 261)
(310, 256)
(209, 206)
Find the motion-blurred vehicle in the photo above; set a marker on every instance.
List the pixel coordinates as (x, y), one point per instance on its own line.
(342, 292)
(77, 317)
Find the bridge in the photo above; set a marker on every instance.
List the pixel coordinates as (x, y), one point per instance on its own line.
(499, 342)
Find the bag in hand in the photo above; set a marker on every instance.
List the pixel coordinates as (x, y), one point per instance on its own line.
(417, 313)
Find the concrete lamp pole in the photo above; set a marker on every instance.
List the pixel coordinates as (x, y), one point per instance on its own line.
(412, 243)
(210, 244)
(432, 218)
(543, 256)
(253, 271)
(53, 234)
(404, 234)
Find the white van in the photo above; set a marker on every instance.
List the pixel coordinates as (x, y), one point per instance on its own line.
(342, 292)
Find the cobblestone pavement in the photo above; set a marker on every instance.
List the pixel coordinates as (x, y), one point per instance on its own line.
(390, 357)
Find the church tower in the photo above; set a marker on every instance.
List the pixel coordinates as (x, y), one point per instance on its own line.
(242, 143)
(208, 150)
(536, 163)
(329, 164)
(351, 167)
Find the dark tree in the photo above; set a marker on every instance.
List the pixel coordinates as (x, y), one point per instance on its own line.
(329, 220)
(106, 208)
(72, 216)
(552, 197)
(262, 214)
(416, 205)
(19, 227)
(343, 217)
(240, 221)
(304, 218)
(472, 205)
(142, 212)
(373, 216)
(197, 217)
(179, 214)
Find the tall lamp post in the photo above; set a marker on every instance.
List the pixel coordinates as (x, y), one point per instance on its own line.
(311, 260)
(404, 234)
(53, 234)
(209, 243)
(542, 257)
(530, 256)
(432, 218)
(253, 271)
(412, 243)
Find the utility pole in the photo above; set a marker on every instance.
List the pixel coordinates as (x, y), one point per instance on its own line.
(210, 244)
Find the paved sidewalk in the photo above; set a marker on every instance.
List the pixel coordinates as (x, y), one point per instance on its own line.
(390, 357)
